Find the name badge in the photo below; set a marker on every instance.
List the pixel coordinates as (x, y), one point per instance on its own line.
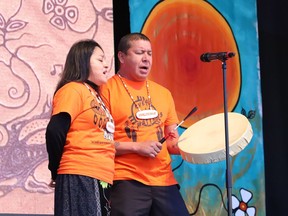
(110, 127)
(147, 114)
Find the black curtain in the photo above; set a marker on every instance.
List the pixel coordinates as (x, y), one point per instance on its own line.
(273, 36)
(273, 50)
(121, 27)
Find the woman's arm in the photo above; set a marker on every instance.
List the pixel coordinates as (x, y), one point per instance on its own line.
(56, 133)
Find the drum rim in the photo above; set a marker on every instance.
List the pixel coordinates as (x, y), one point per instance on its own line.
(218, 155)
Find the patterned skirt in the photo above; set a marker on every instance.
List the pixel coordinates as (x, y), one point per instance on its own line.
(77, 195)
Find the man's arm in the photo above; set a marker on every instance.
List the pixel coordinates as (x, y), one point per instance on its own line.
(147, 148)
(172, 139)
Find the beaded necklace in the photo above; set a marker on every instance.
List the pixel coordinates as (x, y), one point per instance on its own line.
(110, 124)
(141, 114)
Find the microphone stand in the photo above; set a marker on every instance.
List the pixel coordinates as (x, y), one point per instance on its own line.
(228, 166)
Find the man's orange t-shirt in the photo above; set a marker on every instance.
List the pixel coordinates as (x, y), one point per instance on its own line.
(150, 171)
(89, 148)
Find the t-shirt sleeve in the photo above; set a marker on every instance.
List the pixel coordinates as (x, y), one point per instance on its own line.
(68, 99)
(172, 117)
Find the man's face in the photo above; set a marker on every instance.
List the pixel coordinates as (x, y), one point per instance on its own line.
(136, 64)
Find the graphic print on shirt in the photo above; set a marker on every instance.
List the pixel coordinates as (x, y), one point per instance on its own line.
(133, 124)
(100, 119)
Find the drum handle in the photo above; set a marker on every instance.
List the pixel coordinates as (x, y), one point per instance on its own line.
(189, 114)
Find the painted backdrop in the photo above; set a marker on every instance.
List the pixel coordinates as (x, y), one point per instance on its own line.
(35, 37)
(180, 32)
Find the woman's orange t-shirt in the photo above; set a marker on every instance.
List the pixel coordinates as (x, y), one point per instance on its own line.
(89, 148)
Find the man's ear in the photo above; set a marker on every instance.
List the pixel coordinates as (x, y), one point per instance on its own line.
(121, 56)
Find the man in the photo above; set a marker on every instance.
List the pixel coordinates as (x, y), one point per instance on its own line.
(144, 112)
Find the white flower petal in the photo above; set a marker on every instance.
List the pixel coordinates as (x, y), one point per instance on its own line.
(239, 212)
(251, 211)
(235, 202)
(245, 195)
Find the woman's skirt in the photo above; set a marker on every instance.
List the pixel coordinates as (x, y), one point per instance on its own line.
(77, 195)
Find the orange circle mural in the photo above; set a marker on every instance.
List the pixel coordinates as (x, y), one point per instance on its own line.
(180, 31)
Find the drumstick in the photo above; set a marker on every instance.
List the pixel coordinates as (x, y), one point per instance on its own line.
(189, 114)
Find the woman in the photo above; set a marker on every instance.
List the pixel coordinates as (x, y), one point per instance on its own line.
(79, 136)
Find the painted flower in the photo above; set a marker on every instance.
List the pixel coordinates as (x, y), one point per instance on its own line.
(240, 207)
(62, 14)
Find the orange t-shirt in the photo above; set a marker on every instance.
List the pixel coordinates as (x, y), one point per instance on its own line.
(150, 171)
(89, 148)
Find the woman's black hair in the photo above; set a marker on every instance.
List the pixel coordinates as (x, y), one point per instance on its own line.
(77, 62)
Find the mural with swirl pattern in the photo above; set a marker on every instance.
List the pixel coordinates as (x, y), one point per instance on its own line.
(35, 37)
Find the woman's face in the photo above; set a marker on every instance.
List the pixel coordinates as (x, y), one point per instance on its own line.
(98, 73)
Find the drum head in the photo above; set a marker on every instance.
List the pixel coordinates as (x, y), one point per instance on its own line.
(204, 141)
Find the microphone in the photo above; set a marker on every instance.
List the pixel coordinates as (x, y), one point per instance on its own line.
(207, 57)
